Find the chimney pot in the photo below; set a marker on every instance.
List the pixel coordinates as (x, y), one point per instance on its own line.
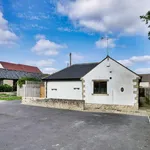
(70, 59)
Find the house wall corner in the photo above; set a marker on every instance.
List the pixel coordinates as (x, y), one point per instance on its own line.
(136, 92)
(83, 89)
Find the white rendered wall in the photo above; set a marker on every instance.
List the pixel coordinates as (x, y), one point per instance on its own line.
(121, 77)
(144, 84)
(65, 90)
(1, 66)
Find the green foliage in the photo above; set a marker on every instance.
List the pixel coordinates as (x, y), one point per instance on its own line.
(9, 97)
(147, 100)
(6, 88)
(146, 19)
(21, 81)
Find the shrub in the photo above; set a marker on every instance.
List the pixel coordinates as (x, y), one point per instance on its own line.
(21, 81)
(6, 88)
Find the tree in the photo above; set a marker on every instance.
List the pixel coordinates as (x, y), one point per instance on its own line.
(146, 19)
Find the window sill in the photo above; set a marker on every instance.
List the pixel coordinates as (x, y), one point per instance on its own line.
(101, 94)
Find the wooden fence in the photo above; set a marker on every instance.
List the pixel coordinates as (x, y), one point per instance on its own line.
(31, 89)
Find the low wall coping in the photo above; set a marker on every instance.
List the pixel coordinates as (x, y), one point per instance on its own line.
(55, 103)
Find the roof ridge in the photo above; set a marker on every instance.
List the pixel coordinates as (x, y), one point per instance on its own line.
(76, 71)
(57, 72)
(27, 65)
(18, 64)
(21, 71)
(122, 65)
(86, 63)
(71, 66)
(21, 67)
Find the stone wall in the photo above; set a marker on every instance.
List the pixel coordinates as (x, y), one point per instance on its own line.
(110, 107)
(55, 103)
(9, 82)
(136, 92)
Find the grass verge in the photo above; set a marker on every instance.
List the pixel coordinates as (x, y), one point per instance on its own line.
(9, 97)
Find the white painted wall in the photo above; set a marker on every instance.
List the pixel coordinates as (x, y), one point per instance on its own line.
(144, 84)
(121, 77)
(1, 66)
(65, 90)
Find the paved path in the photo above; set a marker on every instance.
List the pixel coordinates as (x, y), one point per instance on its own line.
(36, 128)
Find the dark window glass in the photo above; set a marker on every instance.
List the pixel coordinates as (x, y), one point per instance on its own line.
(100, 87)
(122, 89)
(54, 89)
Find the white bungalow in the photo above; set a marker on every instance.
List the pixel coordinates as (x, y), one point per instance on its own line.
(104, 84)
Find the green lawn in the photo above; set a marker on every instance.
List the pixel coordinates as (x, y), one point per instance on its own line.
(9, 97)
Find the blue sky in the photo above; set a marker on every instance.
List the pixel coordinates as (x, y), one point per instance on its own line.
(44, 32)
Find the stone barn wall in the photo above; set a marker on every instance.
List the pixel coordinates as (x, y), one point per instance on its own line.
(55, 103)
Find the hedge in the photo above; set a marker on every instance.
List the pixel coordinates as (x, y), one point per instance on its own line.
(21, 81)
(6, 88)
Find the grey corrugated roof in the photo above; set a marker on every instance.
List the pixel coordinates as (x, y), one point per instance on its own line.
(74, 72)
(13, 74)
(145, 77)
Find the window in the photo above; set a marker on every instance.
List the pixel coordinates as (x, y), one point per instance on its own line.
(54, 89)
(76, 88)
(122, 89)
(100, 87)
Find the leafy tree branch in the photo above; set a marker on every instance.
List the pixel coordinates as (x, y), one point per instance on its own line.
(146, 19)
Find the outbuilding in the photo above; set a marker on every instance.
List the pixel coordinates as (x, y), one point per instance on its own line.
(105, 84)
(10, 73)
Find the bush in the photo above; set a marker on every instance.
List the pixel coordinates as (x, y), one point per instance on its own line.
(21, 81)
(6, 88)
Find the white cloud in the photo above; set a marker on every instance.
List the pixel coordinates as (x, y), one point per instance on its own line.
(41, 63)
(49, 70)
(135, 59)
(102, 43)
(44, 65)
(47, 47)
(3, 22)
(126, 62)
(7, 37)
(106, 16)
(94, 25)
(40, 36)
(140, 58)
(65, 29)
(77, 57)
(30, 16)
(142, 70)
(33, 26)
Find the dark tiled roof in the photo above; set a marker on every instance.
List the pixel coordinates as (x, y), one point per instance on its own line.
(74, 72)
(12, 74)
(20, 67)
(145, 77)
